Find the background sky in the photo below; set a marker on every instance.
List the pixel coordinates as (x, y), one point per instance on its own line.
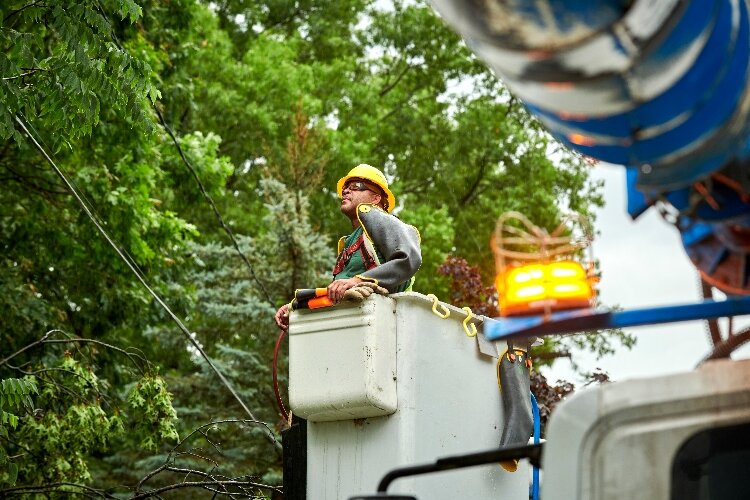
(643, 264)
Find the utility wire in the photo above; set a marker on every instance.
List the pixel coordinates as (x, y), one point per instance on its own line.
(195, 176)
(210, 201)
(37, 137)
(189, 335)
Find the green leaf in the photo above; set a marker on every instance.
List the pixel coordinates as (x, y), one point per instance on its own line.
(12, 473)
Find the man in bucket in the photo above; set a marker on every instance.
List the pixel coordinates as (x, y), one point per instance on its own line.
(381, 251)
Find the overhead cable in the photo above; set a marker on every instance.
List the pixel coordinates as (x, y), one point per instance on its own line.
(210, 201)
(131, 265)
(187, 163)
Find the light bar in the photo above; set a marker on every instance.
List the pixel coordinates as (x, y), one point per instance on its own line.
(535, 288)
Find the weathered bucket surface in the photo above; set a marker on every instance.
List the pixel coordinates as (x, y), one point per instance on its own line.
(447, 400)
(342, 361)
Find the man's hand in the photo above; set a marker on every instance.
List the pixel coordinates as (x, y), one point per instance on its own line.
(282, 317)
(338, 288)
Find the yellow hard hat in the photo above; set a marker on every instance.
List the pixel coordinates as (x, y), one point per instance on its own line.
(372, 174)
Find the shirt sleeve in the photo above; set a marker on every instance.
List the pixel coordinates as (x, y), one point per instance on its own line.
(397, 242)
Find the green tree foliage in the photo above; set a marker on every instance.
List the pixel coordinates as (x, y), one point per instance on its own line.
(270, 102)
(78, 425)
(61, 61)
(14, 395)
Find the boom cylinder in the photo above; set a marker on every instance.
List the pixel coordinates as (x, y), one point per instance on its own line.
(660, 87)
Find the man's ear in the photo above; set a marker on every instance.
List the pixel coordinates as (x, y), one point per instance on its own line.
(379, 200)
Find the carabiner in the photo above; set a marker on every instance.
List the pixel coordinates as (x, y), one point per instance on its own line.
(435, 301)
(473, 331)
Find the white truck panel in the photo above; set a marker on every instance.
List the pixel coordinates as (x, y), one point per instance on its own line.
(618, 441)
(448, 403)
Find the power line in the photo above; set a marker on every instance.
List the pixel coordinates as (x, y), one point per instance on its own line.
(208, 198)
(92, 206)
(210, 201)
(131, 265)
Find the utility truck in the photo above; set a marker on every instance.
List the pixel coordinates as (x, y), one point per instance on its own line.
(400, 399)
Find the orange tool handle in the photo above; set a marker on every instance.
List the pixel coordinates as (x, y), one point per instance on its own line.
(319, 302)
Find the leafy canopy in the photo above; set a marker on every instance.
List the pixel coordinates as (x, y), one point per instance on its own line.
(271, 102)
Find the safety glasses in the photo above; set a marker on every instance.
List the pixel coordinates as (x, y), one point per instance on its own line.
(357, 186)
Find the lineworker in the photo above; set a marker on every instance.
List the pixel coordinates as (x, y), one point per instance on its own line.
(381, 249)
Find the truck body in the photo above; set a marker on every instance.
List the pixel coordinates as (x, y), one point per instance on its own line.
(682, 436)
(387, 383)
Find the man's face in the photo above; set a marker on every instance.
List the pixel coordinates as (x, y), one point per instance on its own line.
(358, 191)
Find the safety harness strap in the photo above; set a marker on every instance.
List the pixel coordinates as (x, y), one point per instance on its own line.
(347, 253)
(367, 259)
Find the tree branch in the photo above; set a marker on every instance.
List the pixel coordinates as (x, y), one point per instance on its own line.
(46, 340)
(724, 349)
(390, 86)
(205, 485)
(43, 488)
(471, 192)
(218, 422)
(401, 104)
(713, 324)
(17, 11)
(30, 346)
(543, 356)
(279, 22)
(28, 450)
(198, 430)
(30, 71)
(27, 181)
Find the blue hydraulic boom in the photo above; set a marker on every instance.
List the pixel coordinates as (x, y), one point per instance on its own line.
(660, 87)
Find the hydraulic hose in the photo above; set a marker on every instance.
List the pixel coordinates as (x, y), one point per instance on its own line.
(274, 370)
(537, 435)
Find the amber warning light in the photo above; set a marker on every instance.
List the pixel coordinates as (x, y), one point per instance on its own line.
(536, 270)
(533, 288)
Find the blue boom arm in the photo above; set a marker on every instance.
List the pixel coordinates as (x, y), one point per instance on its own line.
(660, 87)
